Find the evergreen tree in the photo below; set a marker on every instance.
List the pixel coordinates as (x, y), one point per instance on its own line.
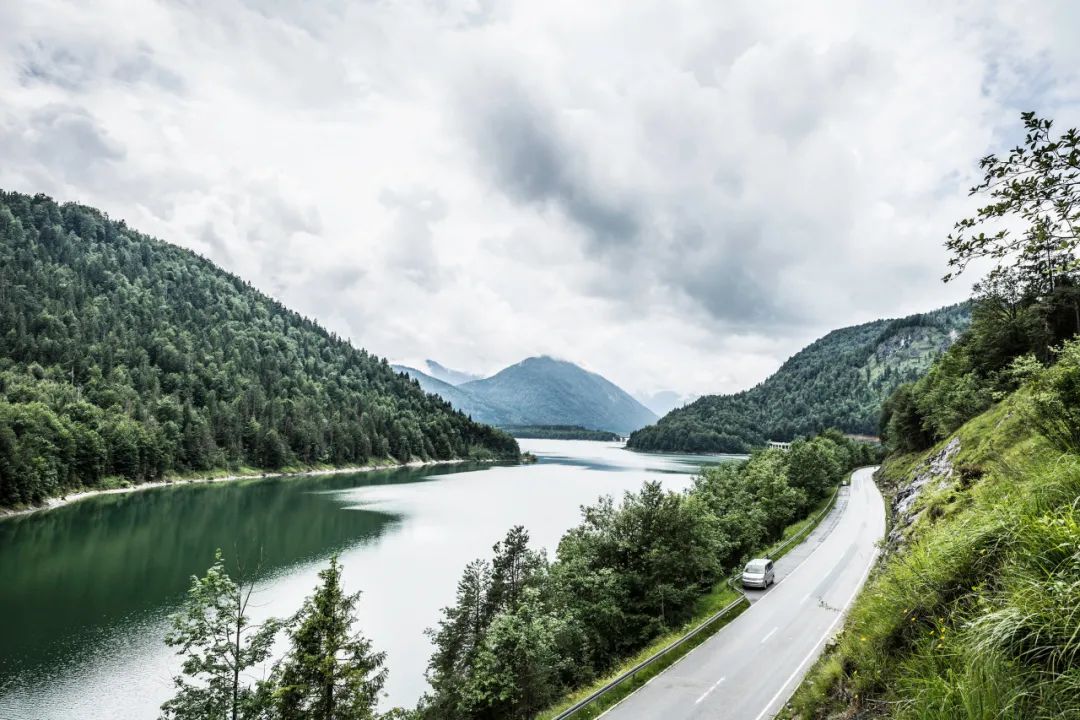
(457, 641)
(514, 565)
(330, 673)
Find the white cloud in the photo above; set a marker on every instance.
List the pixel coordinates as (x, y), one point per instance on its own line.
(676, 195)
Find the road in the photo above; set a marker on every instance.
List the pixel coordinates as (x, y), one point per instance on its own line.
(749, 669)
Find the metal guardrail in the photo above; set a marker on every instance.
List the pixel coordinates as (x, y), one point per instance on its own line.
(805, 532)
(629, 674)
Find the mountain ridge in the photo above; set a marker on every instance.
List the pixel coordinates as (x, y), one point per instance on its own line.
(542, 390)
(839, 380)
(124, 358)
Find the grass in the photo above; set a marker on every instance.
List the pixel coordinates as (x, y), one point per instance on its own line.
(722, 595)
(708, 605)
(977, 616)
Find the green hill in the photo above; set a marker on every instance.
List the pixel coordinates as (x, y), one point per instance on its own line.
(974, 612)
(838, 381)
(124, 357)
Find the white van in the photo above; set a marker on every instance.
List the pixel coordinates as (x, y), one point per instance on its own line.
(759, 573)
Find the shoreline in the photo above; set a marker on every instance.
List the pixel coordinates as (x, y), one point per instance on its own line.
(57, 502)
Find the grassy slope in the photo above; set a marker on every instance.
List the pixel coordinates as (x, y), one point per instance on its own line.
(977, 613)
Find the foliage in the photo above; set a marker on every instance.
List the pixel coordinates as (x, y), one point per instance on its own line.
(559, 432)
(1028, 305)
(975, 617)
(838, 381)
(523, 631)
(1054, 405)
(330, 673)
(219, 644)
(1037, 184)
(123, 356)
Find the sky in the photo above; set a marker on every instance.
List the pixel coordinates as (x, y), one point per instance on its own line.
(678, 195)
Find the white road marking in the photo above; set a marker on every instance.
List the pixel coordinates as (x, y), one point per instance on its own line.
(805, 598)
(769, 635)
(828, 633)
(830, 528)
(706, 693)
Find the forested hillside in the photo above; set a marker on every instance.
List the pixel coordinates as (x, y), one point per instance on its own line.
(838, 381)
(973, 613)
(475, 408)
(123, 356)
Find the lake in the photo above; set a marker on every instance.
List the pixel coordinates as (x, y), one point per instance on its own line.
(86, 589)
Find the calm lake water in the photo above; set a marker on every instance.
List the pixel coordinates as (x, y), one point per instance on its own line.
(85, 590)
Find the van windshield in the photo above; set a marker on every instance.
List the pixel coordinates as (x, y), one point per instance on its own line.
(755, 566)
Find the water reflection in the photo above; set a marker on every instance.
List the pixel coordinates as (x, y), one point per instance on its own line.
(87, 588)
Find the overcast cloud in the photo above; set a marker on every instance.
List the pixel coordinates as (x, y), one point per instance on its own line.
(678, 195)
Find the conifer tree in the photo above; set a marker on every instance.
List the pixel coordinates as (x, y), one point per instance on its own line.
(330, 673)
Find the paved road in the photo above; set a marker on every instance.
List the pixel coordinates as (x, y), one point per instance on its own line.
(749, 669)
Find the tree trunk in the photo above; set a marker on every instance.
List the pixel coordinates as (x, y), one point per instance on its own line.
(236, 659)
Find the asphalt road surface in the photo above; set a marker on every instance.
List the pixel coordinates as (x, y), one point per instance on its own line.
(749, 669)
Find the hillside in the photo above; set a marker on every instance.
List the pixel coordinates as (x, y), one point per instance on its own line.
(973, 612)
(837, 381)
(460, 399)
(542, 391)
(124, 358)
(560, 432)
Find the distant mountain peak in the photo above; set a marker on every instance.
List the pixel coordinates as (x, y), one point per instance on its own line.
(449, 375)
(541, 390)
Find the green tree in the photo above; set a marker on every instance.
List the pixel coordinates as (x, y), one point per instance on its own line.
(219, 644)
(813, 466)
(517, 667)
(457, 641)
(1054, 402)
(513, 568)
(1038, 182)
(330, 672)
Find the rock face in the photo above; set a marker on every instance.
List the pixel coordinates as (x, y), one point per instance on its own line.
(936, 471)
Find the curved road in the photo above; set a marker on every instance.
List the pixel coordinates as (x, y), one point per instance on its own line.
(749, 669)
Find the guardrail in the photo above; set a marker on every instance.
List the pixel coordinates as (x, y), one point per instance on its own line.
(810, 527)
(720, 614)
(629, 674)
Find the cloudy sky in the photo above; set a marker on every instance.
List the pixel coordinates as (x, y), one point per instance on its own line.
(675, 194)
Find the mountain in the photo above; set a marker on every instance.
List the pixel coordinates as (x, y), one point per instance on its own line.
(546, 391)
(124, 358)
(459, 398)
(664, 401)
(542, 391)
(838, 381)
(447, 375)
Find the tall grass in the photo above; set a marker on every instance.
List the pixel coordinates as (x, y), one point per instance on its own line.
(978, 617)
